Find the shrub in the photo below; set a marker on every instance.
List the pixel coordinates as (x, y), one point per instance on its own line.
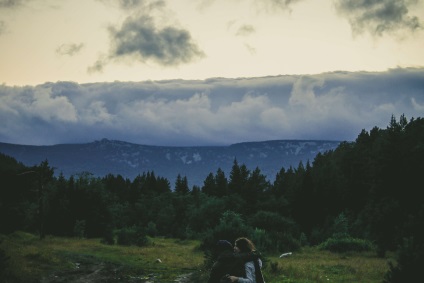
(134, 235)
(108, 237)
(3, 263)
(151, 229)
(271, 221)
(79, 229)
(262, 240)
(286, 242)
(346, 244)
(230, 227)
(273, 266)
(410, 262)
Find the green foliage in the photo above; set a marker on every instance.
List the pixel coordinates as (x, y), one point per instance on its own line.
(79, 229)
(3, 263)
(285, 242)
(108, 237)
(346, 244)
(206, 214)
(134, 235)
(231, 226)
(151, 229)
(410, 262)
(262, 240)
(340, 227)
(181, 185)
(271, 221)
(368, 189)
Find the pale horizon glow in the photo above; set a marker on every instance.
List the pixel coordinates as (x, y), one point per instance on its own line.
(49, 41)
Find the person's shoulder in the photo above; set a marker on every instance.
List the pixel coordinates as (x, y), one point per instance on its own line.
(251, 256)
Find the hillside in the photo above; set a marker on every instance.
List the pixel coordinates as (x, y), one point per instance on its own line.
(128, 159)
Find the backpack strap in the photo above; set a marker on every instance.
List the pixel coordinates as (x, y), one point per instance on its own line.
(258, 272)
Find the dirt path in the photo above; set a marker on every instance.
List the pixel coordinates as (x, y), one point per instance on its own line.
(103, 273)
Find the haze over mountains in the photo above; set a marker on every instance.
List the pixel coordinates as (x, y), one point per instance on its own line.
(129, 160)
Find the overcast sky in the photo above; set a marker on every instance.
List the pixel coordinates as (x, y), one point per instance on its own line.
(207, 72)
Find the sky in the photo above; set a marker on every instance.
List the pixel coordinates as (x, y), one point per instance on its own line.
(207, 72)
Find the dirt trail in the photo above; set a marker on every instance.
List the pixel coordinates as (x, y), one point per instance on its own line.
(103, 273)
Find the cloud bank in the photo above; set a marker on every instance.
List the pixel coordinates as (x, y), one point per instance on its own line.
(329, 106)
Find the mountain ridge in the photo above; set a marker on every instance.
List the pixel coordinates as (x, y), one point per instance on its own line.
(102, 157)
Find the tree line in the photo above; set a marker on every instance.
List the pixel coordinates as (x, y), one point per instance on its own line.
(369, 189)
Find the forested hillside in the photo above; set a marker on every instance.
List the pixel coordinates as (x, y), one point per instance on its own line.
(369, 190)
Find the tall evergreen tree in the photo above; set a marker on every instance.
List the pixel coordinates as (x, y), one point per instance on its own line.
(181, 185)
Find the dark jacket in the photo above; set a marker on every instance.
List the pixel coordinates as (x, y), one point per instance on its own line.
(227, 263)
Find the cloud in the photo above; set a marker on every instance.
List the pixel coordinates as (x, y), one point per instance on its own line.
(69, 49)
(144, 38)
(2, 27)
(250, 48)
(245, 30)
(378, 16)
(141, 38)
(11, 3)
(272, 5)
(135, 4)
(329, 106)
(417, 106)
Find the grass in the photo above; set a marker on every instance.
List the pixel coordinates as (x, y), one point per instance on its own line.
(315, 265)
(32, 259)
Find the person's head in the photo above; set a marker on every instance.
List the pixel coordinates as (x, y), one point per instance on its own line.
(223, 246)
(244, 245)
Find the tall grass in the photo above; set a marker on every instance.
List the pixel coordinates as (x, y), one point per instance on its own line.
(32, 259)
(315, 265)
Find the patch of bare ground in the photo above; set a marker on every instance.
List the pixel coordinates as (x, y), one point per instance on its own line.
(104, 273)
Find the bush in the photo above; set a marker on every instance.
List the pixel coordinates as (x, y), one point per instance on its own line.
(151, 229)
(108, 237)
(3, 263)
(79, 229)
(271, 221)
(286, 242)
(231, 226)
(410, 262)
(134, 235)
(262, 240)
(346, 244)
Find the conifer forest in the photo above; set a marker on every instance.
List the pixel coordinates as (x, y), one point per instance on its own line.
(365, 194)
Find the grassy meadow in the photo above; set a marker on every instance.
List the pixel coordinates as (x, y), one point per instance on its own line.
(55, 258)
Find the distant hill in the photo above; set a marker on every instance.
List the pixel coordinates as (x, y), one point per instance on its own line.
(128, 159)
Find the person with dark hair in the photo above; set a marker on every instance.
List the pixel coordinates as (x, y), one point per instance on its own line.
(225, 264)
(245, 249)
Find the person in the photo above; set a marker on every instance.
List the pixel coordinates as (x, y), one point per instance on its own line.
(225, 264)
(246, 250)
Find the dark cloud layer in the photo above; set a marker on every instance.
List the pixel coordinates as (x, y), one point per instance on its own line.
(378, 16)
(330, 106)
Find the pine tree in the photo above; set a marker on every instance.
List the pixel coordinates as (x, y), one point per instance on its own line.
(181, 185)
